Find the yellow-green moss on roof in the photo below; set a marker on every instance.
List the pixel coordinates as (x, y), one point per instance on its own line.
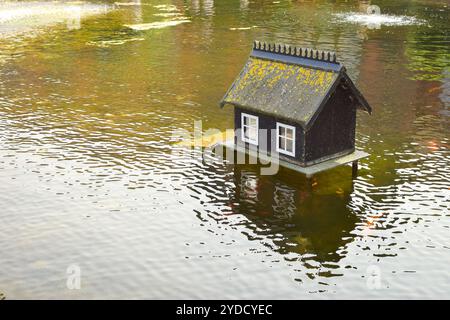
(289, 91)
(286, 90)
(288, 82)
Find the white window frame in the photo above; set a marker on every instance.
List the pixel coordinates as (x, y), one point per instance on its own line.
(252, 141)
(285, 126)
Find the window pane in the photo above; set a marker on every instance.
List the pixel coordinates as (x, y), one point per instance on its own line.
(281, 131)
(289, 145)
(290, 133)
(253, 133)
(281, 143)
(250, 128)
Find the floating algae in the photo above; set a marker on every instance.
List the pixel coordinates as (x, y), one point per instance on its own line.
(165, 7)
(207, 140)
(156, 25)
(243, 28)
(108, 43)
(130, 4)
(167, 14)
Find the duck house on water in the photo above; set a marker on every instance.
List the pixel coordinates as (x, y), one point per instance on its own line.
(306, 103)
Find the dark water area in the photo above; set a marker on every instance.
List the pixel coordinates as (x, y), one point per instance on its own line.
(88, 176)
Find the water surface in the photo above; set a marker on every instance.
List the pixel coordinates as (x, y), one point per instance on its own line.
(88, 177)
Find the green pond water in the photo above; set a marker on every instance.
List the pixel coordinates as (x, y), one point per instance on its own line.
(91, 93)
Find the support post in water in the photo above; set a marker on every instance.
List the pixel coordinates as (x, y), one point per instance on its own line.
(355, 169)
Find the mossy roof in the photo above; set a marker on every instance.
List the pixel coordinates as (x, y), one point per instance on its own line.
(287, 85)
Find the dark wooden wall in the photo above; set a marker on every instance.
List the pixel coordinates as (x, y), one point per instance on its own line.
(334, 129)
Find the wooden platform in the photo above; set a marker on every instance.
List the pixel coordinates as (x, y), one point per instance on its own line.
(310, 170)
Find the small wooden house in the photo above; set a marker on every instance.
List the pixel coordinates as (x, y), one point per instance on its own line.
(302, 97)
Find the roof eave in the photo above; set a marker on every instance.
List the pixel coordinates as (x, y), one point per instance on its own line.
(270, 114)
(222, 102)
(363, 104)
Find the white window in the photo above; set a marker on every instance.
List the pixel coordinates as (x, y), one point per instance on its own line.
(286, 139)
(249, 128)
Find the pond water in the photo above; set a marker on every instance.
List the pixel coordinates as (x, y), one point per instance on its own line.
(91, 92)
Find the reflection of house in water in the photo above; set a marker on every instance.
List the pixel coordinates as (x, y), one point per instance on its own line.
(282, 212)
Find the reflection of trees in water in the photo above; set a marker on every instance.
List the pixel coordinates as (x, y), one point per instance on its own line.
(428, 54)
(283, 213)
